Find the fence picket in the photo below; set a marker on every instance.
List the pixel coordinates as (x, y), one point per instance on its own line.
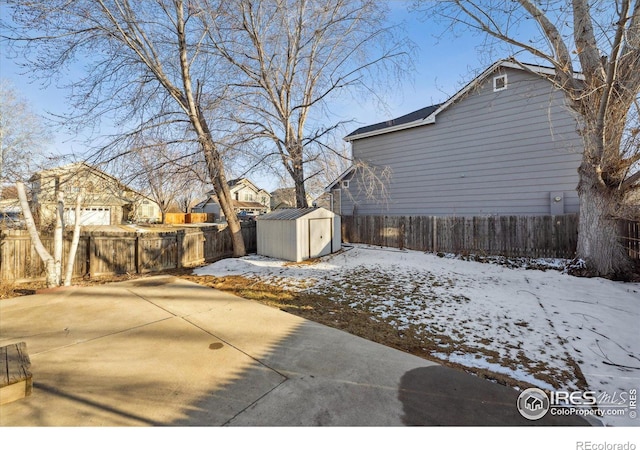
(106, 253)
(531, 236)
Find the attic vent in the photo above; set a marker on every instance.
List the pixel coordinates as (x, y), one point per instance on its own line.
(345, 184)
(499, 83)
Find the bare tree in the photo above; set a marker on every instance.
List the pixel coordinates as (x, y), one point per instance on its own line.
(22, 136)
(594, 47)
(329, 165)
(148, 69)
(154, 170)
(52, 263)
(190, 196)
(292, 56)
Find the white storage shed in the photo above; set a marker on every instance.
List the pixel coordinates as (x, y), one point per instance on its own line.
(298, 234)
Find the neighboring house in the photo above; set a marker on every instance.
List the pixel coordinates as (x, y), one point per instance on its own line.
(283, 198)
(209, 205)
(106, 201)
(10, 212)
(247, 199)
(286, 198)
(506, 144)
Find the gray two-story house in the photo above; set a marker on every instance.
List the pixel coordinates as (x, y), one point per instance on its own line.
(506, 144)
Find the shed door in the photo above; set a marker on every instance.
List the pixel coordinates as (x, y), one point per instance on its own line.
(319, 237)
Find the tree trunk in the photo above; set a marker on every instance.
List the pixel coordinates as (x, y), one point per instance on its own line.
(216, 173)
(58, 234)
(301, 195)
(599, 243)
(45, 256)
(71, 258)
(298, 179)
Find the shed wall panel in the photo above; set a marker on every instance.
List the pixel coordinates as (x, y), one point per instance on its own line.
(277, 239)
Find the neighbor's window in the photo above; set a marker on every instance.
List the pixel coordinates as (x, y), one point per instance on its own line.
(345, 184)
(499, 83)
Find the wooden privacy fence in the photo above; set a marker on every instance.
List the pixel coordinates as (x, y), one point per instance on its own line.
(630, 234)
(180, 218)
(108, 253)
(526, 236)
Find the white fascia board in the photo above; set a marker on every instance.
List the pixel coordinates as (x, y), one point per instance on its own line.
(416, 123)
(540, 70)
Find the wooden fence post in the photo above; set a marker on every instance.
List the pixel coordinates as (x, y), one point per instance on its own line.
(434, 246)
(179, 246)
(92, 256)
(138, 255)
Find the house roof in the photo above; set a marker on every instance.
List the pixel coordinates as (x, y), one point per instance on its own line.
(204, 202)
(239, 204)
(73, 167)
(426, 116)
(340, 178)
(287, 214)
(420, 114)
(235, 203)
(245, 182)
(82, 166)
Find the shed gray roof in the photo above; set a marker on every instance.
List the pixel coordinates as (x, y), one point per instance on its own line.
(287, 214)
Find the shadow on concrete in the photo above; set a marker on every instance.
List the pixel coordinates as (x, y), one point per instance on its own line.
(80, 400)
(443, 396)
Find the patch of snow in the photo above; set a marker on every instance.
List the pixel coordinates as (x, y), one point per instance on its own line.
(481, 363)
(533, 325)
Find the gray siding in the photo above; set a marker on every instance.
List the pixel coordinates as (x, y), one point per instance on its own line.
(491, 153)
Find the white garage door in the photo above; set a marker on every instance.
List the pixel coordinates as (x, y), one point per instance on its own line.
(89, 216)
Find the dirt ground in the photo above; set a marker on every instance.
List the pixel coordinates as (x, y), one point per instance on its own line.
(314, 307)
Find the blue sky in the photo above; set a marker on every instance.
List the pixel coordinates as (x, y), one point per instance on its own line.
(442, 67)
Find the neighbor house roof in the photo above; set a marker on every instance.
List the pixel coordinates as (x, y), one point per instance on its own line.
(344, 174)
(78, 167)
(426, 116)
(239, 204)
(245, 182)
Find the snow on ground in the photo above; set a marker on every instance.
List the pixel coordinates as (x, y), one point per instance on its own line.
(533, 325)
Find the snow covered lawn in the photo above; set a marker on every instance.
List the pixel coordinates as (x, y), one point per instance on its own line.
(540, 327)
